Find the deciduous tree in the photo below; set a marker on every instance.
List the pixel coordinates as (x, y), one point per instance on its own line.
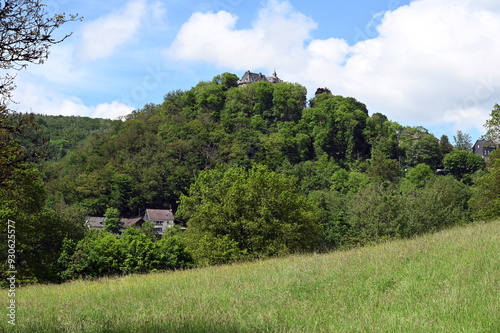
(493, 125)
(112, 221)
(26, 34)
(462, 163)
(248, 213)
(462, 141)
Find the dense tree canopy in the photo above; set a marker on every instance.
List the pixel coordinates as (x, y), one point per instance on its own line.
(255, 213)
(462, 163)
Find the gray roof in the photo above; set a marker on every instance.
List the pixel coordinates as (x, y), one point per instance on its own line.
(485, 143)
(132, 222)
(95, 221)
(159, 215)
(250, 77)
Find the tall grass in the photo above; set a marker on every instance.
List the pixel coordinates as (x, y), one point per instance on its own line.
(445, 282)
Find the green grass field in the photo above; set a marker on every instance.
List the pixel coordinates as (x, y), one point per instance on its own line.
(445, 282)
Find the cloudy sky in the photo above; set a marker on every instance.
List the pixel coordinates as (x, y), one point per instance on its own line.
(432, 63)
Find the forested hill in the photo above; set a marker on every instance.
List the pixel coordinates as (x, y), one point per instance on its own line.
(67, 132)
(154, 155)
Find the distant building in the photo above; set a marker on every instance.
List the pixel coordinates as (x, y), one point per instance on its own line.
(483, 148)
(133, 222)
(250, 77)
(95, 222)
(162, 218)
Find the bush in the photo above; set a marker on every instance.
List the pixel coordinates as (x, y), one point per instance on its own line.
(441, 204)
(101, 253)
(485, 202)
(374, 213)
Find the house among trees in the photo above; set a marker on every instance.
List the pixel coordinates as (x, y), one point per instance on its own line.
(162, 218)
(95, 222)
(250, 77)
(483, 148)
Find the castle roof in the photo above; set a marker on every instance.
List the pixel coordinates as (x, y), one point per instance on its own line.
(250, 77)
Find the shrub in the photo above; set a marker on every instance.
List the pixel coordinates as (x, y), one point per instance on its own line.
(442, 203)
(101, 253)
(374, 212)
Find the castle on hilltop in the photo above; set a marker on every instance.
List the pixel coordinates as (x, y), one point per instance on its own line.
(250, 77)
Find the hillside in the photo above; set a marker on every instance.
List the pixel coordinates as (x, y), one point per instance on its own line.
(67, 132)
(156, 153)
(444, 282)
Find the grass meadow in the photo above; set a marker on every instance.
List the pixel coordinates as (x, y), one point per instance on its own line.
(444, 282)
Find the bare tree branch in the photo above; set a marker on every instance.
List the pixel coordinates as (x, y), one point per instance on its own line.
(26, 34)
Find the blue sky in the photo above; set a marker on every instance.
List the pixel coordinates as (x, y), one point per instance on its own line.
(432, 63)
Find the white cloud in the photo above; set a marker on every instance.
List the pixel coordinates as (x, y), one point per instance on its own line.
(430, 62)
(36, 97)
(279, 30)
(101, 37)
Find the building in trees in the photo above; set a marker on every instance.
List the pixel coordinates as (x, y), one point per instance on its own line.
(162, 218)
(483, 148)
(250, 77)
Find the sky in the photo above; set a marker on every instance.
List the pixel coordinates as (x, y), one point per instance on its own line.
(430, 63)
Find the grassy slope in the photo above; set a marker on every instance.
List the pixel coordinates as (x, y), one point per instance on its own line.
(446, 282)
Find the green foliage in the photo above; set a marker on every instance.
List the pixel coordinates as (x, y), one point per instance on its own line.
(98, 254)
(21, 143)
(330, 209)
(442, 203)
(112, 221)
(314, 175)
(462, 163)
(336, 125)
(485, 202)
(152, 157)
(418, 176)
(254, 213)
(419, 146)
(241, 161)
(383, 168)
(102, 253)
(39, 231)
(462, 141)
(349, 182)
(227, 80)
(65, 133)
(444, 145)
(380, 211)
(288, 101)
(374, 213)
(493, 125)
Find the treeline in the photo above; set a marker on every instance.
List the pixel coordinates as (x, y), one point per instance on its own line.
(256, 171)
